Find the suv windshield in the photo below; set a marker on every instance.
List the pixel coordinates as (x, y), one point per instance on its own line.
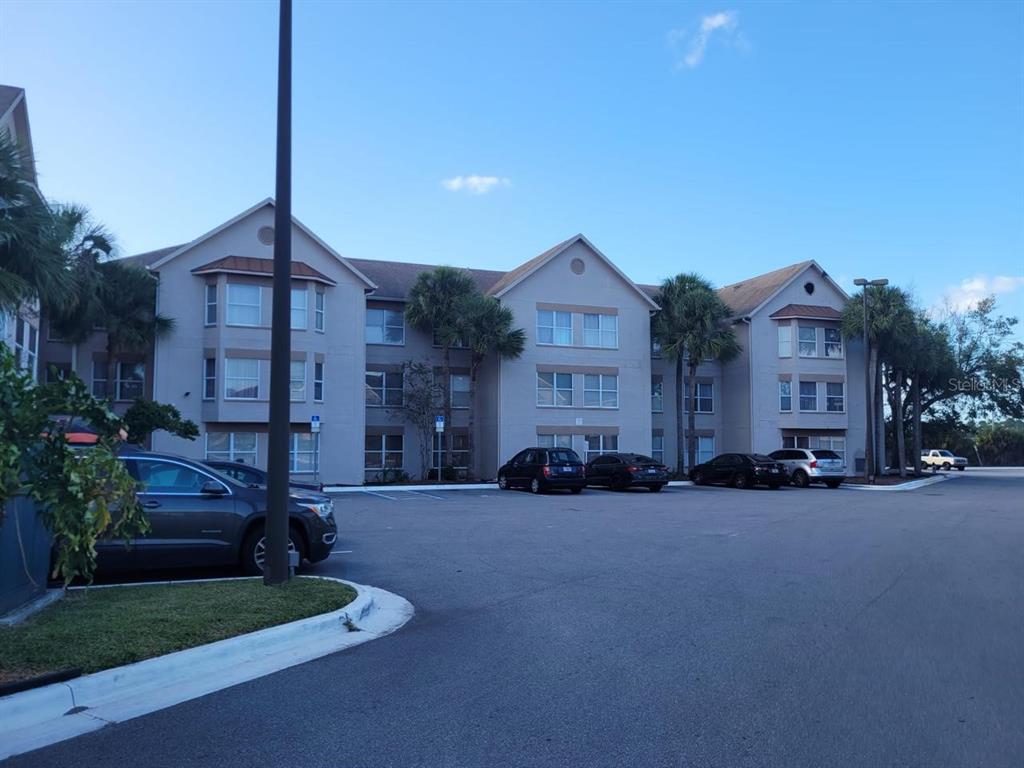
(825, 454)
(562, 457)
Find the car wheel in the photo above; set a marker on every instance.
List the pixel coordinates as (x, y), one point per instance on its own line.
(503, 482)
(834, 483)
(576, 490)
(741, 481)
(698, 478)
(773, 486)
(945, 465)
(254, 549)
(535, 486)
(655, 488)
(800, 479)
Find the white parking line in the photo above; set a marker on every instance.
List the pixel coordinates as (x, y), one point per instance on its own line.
(381, 495)
(429, 495)
(341, 551)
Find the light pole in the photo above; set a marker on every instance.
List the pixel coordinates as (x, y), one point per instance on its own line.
(869, 435)
(275, 561)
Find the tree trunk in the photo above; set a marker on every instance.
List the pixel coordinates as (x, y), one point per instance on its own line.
(680, 461)
(897, 422)
(879, 419)
(470, 441)
(446, 390)
(915, 393)
(691, 417)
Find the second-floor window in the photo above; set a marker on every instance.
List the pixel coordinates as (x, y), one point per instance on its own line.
(554, 389)
(99, 379)
(833, 343)
(211, 304)
(131, 379)
(600, 390)
(460, 390)
(554, 327)
(705, 397)
(385, 326)
(244, 304)
(785, 395)
(297, 380)
(320, 310)
(384, 388)
(600, 331)
(209, 378)
(835, 397)
(241, 379)
(785, 341)
(318, 382)
(808, 395)
(808, 341)
(300, 309)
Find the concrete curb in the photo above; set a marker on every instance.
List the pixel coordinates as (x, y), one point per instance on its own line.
(397, 488)
(912, 485)
(43, 716)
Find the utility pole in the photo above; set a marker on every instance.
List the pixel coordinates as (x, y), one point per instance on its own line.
(869, 435)
(275, 564)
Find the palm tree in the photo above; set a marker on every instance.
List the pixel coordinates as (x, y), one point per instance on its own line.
(485, 326)
(433, 307)
(692, 326)
(123, 303)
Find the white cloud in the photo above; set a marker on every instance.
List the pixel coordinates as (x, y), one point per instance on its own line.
(723, 23)
(971, 290)
(475, 185)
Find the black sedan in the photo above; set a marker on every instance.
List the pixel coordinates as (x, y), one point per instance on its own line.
(620, 471)
(740, 470)
(250, 475)
(541, 469)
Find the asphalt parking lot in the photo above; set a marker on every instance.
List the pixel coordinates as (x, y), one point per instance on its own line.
(695, 627)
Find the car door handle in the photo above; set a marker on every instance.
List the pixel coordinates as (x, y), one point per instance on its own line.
(151, 504)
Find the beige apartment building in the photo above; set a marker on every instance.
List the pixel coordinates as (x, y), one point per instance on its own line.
(588, 377)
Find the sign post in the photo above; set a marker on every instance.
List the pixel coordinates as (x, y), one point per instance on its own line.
(439, 429)
(314, 428)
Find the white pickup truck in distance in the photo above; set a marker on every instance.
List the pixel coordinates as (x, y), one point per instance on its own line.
(938, 459)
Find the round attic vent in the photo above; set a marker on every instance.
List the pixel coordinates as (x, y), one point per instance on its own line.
(577, 266)
(809, 287)
(266, 235)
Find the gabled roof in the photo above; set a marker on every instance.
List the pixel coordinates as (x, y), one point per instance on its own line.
(748, 295)
(151, 257)
(809, 311)
(250, 265)
(523, 271)
(9, 96)
(394, 279)
(173, 254)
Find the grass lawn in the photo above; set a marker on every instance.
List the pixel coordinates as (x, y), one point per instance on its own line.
(94, 629)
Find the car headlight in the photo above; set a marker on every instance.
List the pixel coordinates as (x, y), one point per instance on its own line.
(323, 510)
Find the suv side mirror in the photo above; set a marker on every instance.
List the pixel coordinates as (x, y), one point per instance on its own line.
(213, 488)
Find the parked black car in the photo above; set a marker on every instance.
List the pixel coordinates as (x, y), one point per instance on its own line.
(200, 517)
(620, 471)
(741, 470)
(250, 475)
(541, 469)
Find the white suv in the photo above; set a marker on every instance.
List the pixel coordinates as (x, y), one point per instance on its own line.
(812, 466)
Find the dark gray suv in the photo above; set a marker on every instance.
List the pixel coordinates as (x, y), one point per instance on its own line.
(200, 517)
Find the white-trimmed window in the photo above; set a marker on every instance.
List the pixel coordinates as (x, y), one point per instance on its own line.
(705, 449)
(297, 380)
(99, 379)
(300, 309)
(657, 394)
(244, 307)
(705, 397)
(655, 348)
(833, 342)
(785, 340)
(382, 452)
(601, 443)
(318, 382)
(808, 395)
(304, 452)
(320, 309)
(211, 304)
(600, 330)
(26, 346)
(600, 390)
(785, 395)
(554, 389)
(384, 388)
(385, 326)
(460, 390)
(554, 441)
(231, 446)
(57, 372)
(131, 381)
(835, 397)
(658, 448)
(808, 336)
(460, 450)
(210, 378)
(241, 378)
(554, 327)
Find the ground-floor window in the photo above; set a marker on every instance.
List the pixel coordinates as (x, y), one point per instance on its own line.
(304, 452)
(705, 449)
(554, 441)
(383, 453)
(815, 442)
(658, 448)
(231, 446)
(460, 450)
(598, 444)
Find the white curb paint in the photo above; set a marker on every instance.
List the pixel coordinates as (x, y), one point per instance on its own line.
(913, 484)
(42, 716)
(383, 489)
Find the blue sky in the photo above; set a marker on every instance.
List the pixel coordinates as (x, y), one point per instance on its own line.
(729, 139)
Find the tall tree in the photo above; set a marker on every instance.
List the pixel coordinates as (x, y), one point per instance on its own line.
(692, 328)
(433, 307)
(485, 326)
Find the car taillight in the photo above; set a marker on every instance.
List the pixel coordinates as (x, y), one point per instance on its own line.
(814, 464)
(632, 469)
(547, 471)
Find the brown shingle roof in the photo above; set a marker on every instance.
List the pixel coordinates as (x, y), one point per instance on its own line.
(814, 311)
(747, 295)
(150, 257)
(394, 279)
(511, 276)
(252, 266)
